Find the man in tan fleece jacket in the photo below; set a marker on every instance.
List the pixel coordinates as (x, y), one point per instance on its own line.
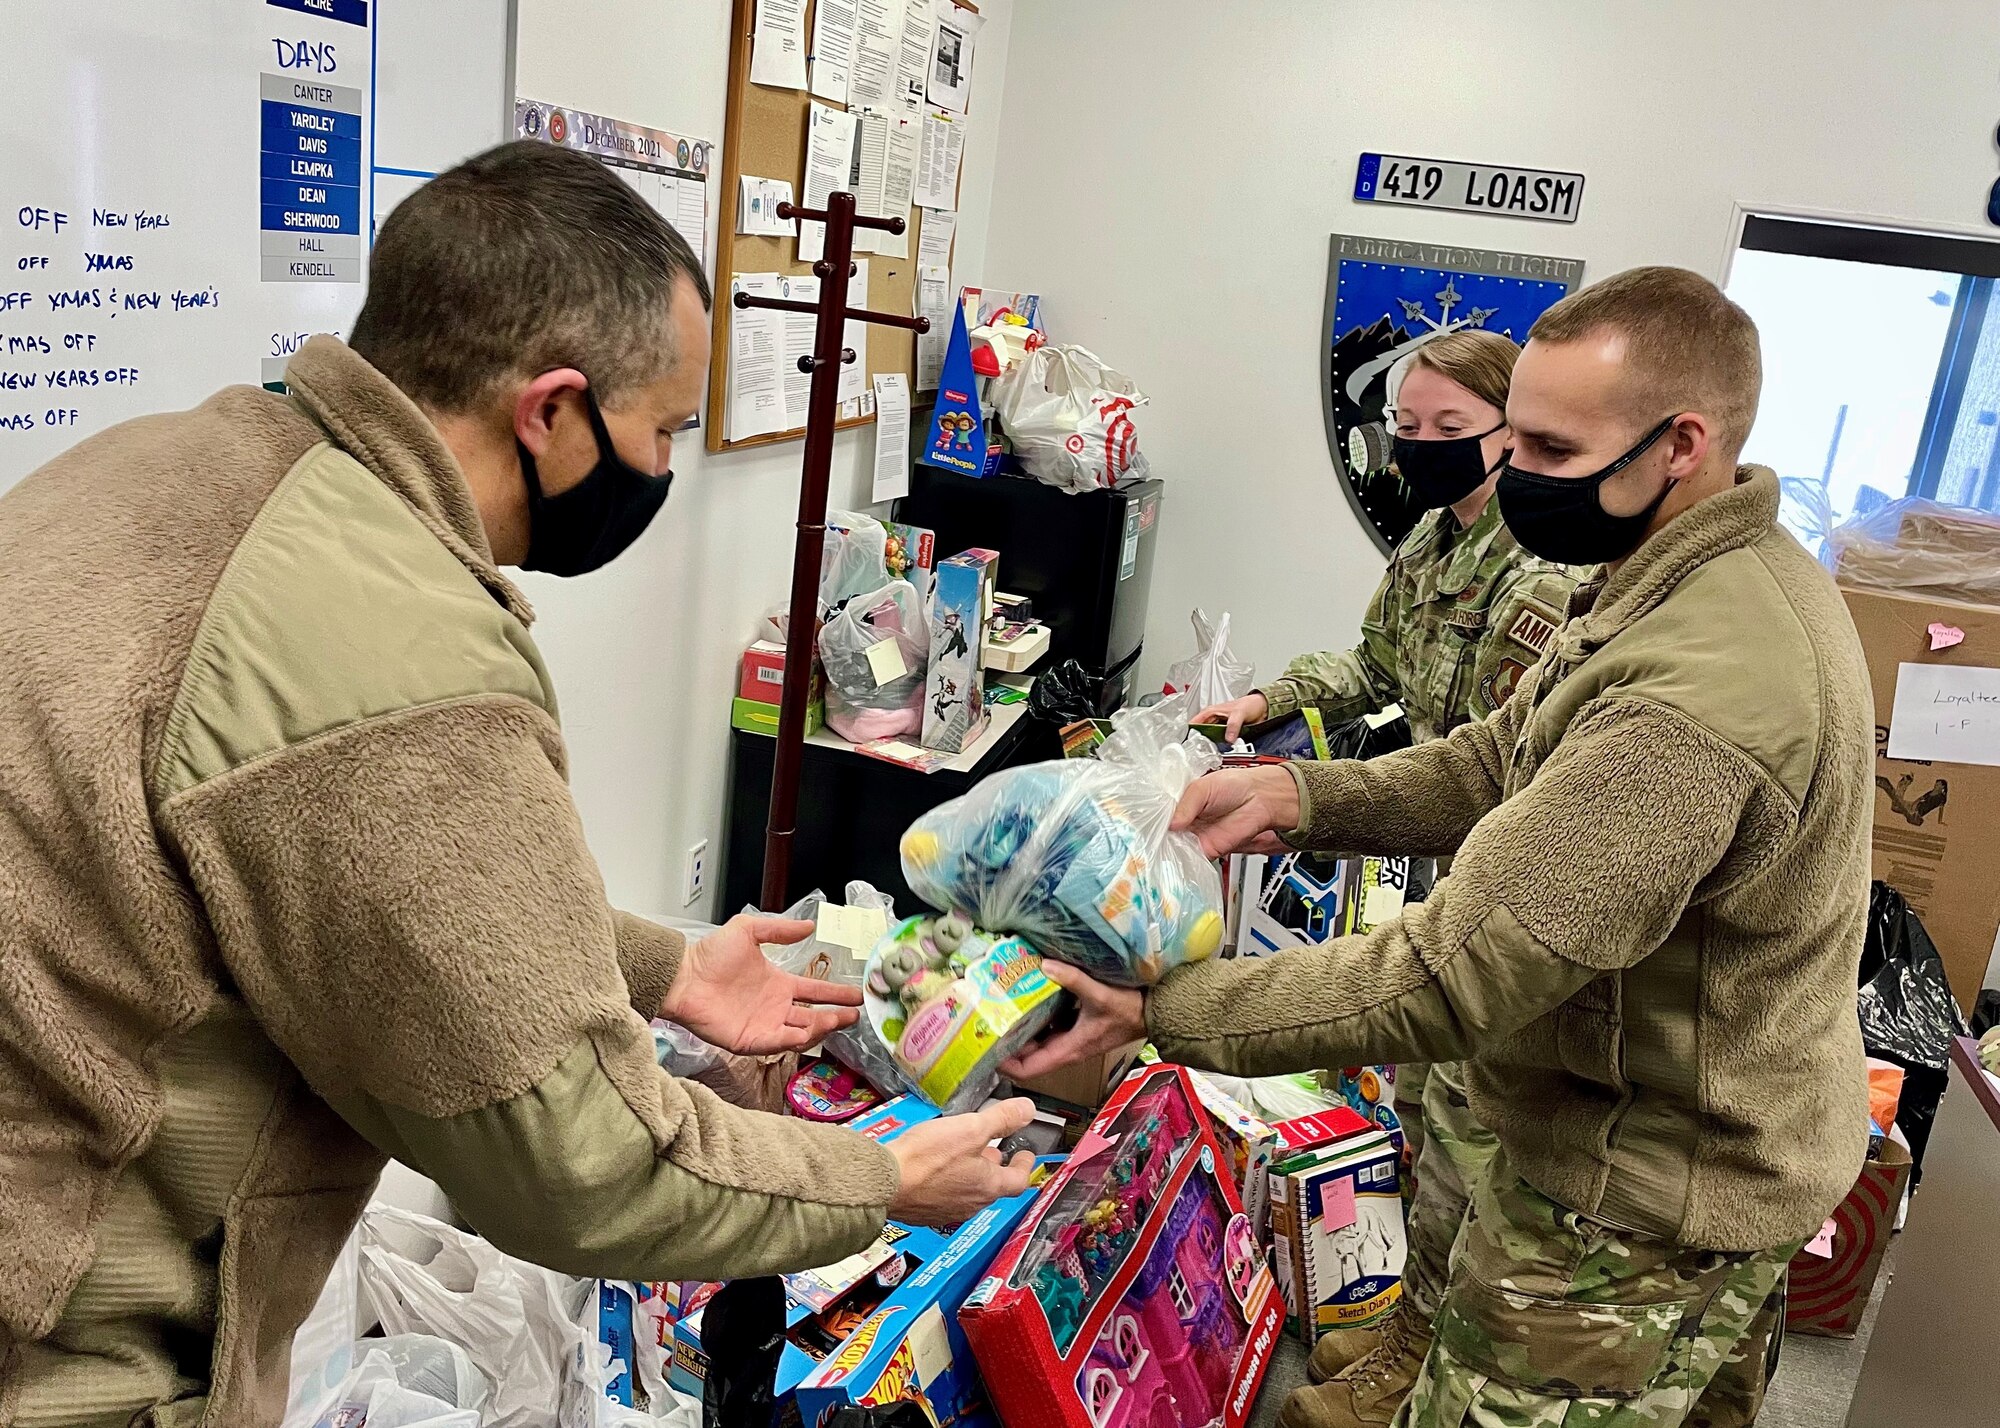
(290, 879)
(1648, 944)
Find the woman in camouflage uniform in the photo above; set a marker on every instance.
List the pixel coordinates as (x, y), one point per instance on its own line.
(1460, 615)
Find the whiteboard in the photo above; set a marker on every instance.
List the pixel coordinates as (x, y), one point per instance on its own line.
(188, 188)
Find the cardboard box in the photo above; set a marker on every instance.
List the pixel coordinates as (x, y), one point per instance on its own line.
(756, 718)
(1134, 1293)
(1935, 823)
(761, 677)
(1829, 1294)
(955, 684)
(1086, 1083)
(1337, 1220)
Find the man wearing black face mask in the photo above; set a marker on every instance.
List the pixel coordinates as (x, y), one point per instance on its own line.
(1647, 948)
(290, 879)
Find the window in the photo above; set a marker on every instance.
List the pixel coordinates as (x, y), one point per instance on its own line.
(1177, 1291)
(1881, 366)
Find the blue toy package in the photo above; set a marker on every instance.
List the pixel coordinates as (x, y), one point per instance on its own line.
(1076, 856)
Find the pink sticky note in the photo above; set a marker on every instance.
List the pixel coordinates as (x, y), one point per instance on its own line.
(1944, 636)
(1336, 1206)
(1822, 1243)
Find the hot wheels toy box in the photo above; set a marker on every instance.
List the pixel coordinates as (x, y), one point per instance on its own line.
(817, 1302)
(1136, 1292)
(881, 1326)
(911, 1347)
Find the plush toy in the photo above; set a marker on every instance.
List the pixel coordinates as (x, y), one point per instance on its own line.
(1076, 857)
(951, 1003)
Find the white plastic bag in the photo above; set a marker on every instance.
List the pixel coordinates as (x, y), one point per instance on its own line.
(854, 1047)
(1214, 675)
(860, 704)
(1076, 856)
(515, 1320)
(855, 558)
(373, 1396)
(1069, 418)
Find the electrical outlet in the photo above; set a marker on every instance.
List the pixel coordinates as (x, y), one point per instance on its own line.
(694, 877)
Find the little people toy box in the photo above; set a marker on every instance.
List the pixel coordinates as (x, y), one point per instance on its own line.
(1135, 1295)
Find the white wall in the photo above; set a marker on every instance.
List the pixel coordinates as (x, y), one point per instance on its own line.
(1171, 171)
(644, 653)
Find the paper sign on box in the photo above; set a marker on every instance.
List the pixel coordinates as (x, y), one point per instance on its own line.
(1946, 713)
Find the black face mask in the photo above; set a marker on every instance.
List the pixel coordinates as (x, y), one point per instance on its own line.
(1443, 473)
(1562, 519)
(592, 523)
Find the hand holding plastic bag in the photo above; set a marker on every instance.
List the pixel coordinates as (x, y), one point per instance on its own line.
(1076, 855)
(1068, 416)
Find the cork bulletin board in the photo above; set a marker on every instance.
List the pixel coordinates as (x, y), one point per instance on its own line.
(764, 136)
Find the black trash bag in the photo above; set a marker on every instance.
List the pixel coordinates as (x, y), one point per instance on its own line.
(743, 1334)
(1064, 695)
(1291, 738)
(1986, 1012)
(1908, 1016)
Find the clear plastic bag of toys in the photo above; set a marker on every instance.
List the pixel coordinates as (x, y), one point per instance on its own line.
(875, 650)
(1076, 855)
(952, 1003)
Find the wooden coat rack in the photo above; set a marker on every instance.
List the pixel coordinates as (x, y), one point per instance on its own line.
(835, 267)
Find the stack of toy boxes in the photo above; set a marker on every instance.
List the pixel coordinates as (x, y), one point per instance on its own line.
(881, 1325)
(1136, 1292)
(760, 691)
(955, 686)
(1337, 1219)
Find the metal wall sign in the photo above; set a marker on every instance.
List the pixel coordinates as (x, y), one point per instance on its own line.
(1547, 194)
(1386, 298)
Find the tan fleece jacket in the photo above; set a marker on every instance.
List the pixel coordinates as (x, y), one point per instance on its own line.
(290, 880)
(1649, 941)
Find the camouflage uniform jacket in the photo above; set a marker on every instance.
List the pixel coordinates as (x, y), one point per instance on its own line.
(1458, 619)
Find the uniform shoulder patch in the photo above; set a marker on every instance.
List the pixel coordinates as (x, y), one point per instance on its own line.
(1533, 631)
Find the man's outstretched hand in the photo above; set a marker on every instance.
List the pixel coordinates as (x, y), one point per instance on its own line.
(951, 1171)
(1107, 1019)
(1240, 810)
(728, 993)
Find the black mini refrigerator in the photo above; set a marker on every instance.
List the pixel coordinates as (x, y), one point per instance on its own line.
(1086, 561)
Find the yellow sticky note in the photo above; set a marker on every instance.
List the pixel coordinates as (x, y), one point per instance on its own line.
(885, 661)
(856, 928)
(1379, 904)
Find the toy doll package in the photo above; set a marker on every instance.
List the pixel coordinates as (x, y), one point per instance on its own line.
(1136, 1295)
(1075, 855)
(951, 1003)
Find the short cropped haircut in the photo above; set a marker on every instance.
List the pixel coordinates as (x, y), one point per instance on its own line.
(523, 259)
(1688, 347)
(1481, 362)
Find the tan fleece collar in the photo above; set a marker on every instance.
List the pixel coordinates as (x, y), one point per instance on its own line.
(1738, 517)
(370, 419)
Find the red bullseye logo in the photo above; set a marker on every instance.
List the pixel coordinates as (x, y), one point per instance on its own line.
(1074, 443)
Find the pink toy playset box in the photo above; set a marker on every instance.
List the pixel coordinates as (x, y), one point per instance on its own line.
(1136, 1294)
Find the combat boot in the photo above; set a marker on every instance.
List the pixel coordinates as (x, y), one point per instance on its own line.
(1367, 1393)
(1336, 1350)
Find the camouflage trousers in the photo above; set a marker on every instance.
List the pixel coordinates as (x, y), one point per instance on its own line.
(1456, 1153)
(1553, 1321)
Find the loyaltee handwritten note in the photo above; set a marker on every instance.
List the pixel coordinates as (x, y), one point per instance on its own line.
(1948, 713)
